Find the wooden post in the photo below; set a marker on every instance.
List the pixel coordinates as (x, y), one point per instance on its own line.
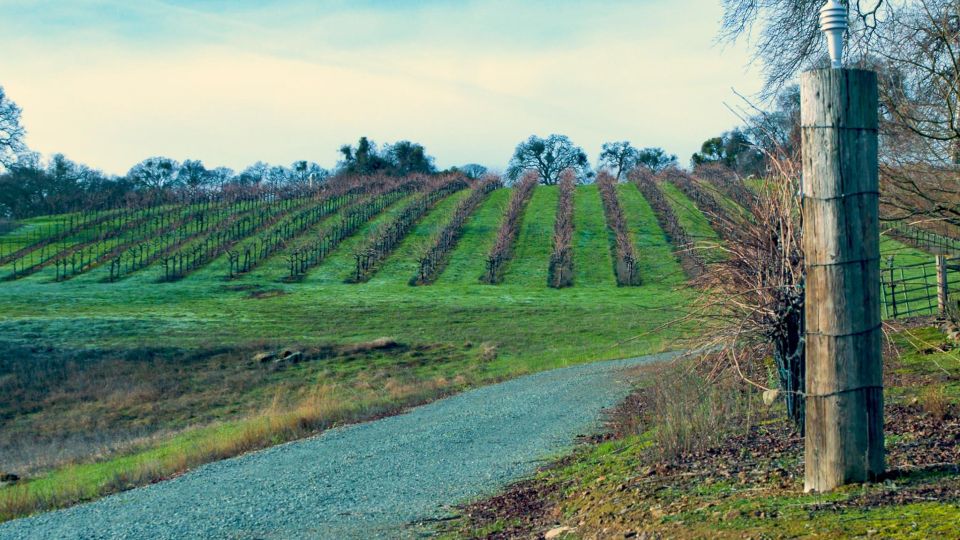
(844, 381)
(942, 285)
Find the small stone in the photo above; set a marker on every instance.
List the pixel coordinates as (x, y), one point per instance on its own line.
(264, 357)
(872, 532)
(555, 533)
(770, 397)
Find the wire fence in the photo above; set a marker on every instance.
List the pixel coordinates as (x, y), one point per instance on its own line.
(928, 241)
(917, 289)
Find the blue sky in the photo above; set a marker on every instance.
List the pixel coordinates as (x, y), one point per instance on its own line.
(109, 83)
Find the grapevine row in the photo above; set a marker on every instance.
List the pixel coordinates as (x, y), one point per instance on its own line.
(383, 241)
(91, 242)
(143, 253)
(728, 182)
(266, 213)
(624, 255)
(502, 250)
(560, 274)
(723, 223)
(690, 260)
(302, 259)
(435, 259)
(336, 197)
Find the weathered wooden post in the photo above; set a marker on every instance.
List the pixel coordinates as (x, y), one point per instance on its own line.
(844, 381)
(942, 286)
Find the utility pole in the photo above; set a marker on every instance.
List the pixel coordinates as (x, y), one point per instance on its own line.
(844, 380)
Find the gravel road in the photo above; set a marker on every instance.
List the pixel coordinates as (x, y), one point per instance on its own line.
(368, 480)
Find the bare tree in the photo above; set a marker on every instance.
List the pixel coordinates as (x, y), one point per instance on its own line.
(549, 158)
(789, 37)
(914, 45)
(11, 132)
(621, 157)
(155, 173)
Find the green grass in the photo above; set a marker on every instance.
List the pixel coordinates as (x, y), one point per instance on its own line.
(916, 285)
(531, 254)
(469, 260)
(592, 256)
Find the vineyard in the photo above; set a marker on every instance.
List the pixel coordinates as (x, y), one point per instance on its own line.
(425, 231)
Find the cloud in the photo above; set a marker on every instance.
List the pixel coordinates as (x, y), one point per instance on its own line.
(110, 83)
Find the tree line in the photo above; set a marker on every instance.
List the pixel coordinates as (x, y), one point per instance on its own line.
(31, 186)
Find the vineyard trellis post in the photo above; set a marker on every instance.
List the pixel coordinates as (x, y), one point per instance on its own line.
(942, 286)
(844, 383)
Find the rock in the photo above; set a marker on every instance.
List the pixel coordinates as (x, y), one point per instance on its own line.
(292, 357)
(8, 478)
(770, 396)
(555, 533)
(264, 357)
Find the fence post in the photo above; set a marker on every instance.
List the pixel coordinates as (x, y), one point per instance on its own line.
(844, 375)
(942, 286)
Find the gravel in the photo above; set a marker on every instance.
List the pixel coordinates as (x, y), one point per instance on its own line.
(372, 480)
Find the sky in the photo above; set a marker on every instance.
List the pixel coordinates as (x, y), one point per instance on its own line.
(111, 82)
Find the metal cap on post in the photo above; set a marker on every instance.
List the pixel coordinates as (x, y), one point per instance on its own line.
(834, 23)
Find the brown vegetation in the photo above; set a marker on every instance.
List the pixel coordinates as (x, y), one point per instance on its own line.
(60, 406)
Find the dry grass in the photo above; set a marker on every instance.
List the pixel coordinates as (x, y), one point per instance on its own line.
(935, 402)
(323, 406)
(688, 410)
